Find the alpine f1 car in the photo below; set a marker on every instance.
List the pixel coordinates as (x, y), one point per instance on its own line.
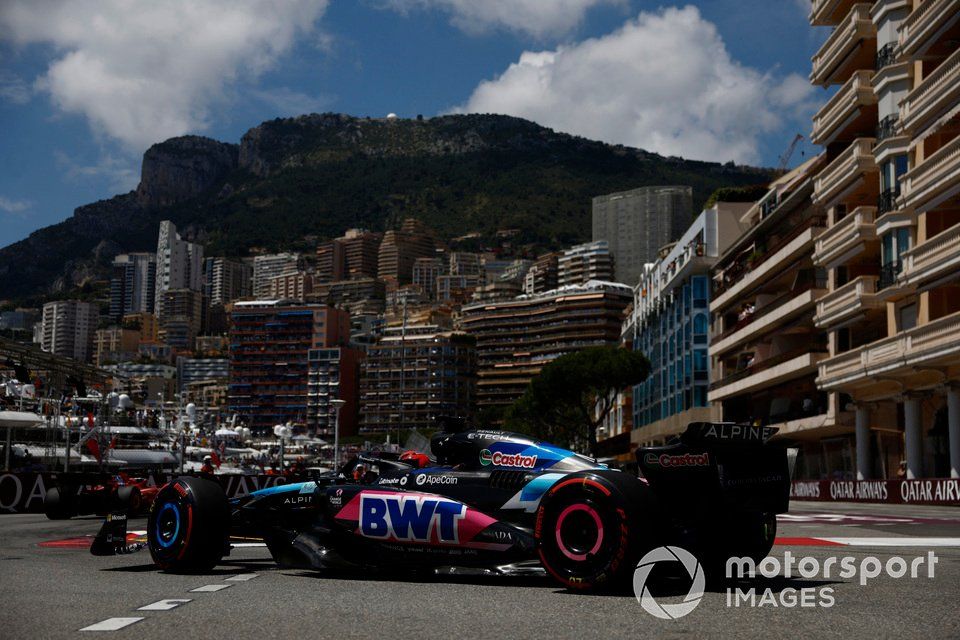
(116, 492)
(493, 500)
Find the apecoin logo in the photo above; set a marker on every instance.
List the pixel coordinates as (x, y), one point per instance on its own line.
(642, 573)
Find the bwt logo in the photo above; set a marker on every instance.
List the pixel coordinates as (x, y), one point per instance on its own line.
(410, 518)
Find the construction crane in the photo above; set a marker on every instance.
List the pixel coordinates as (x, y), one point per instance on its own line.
(785, 158)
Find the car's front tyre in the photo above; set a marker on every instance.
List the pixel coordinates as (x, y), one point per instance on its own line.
(189, 525)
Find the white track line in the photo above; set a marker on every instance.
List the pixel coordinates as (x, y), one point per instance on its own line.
(211, 587)
(242, 545)
(895, 542)
(112, 624)
(165, 605)
(243, 577)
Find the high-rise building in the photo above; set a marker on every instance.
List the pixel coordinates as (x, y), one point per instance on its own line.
(68, 328)
(637, 223)
(585, 262)
(362, 296)
(181, 316)
(415, 374)
(400, 249)
(333, 373)
(516, 338)
(194, 370)
(425, 274)
(543, 274)
(226, 280)
(331, 264)
(890, 187)
(457, 289)
(115, 344)
(462, 263)
(133, 284)
(764, 345)
(269, 366)
(353, 255)
(292, 286)
(145, 323)
(267, 267)
(179, 263)
(670, 324)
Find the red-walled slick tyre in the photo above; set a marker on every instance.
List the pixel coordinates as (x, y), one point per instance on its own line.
(189, 525)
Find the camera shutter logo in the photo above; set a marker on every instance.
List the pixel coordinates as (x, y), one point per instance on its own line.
(642, 573)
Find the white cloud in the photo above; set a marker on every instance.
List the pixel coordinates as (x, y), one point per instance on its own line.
(121, 172)
(287, 102)
(15, 207)
(141, 72)
(13, 88)
(538, 18)
(664, 82)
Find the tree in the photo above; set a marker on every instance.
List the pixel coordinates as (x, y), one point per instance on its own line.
(573, 395)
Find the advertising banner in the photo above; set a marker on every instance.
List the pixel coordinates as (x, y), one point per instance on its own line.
(932, 491)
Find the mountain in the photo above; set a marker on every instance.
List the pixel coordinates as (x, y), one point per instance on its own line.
(293, 181)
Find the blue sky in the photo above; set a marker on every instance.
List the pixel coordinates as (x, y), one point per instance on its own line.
(87, 85)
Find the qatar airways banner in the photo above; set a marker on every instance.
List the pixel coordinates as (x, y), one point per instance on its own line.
(934, 491)
(24, 492)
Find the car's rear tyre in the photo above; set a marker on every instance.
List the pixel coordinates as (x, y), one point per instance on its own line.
(128, 499)
(593, 527)
(189, 525)
(59, 504)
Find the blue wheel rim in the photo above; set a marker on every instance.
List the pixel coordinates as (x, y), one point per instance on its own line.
(167, 527)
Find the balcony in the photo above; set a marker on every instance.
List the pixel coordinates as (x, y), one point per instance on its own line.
(828, 12)
(926, 23)
(846, 238)
(849, 47)
(932, 99)
(934, 180)
(936, 343)
(936, 258)
(846, 170)
(847, 110)
(775, 313)
(766, 373)
(848, 302)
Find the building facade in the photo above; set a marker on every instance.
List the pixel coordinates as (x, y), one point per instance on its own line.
(891, 191)
(267, 267)
(543, 274)
(670, 324)
(115, 344)
(425, 274)
(637, 223)
(181, 317)
(399, 250)
(179, 263)
(68, 328)
(133, 284)
(516, 338)
(292, 286)
(585, 262)
(194, 370)
(226, 280)
(270, 341)
(334, 373)
(415, 374)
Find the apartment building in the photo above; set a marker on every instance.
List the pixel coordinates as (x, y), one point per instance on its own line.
(353, 255)
(270, 341)
(115, 344)
(179, 263)
(399, 250)
(333, 373)
(133, 284)
(891, 191)
(360, 296)
(195, 370)
(637, 223)
(543, 274)
(425, 274)
(516, 338)
(181, 317)
(67, 328)
(292, 286)
(415, 374)
(764, 346)
(585, 262)
(267, 267)
(226, 280)
(670, 323)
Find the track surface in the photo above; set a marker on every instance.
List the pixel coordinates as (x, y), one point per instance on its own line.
(49, 592)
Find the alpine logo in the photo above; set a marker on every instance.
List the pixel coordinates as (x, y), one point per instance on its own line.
(516, 460)
(410, 518)
(686, 460)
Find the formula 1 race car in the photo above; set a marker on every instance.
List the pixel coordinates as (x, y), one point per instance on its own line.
(493, 500)
(101, 496)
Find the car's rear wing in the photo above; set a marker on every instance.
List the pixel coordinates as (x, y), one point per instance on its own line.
(720, 466)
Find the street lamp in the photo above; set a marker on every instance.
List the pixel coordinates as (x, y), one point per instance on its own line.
(337, 406)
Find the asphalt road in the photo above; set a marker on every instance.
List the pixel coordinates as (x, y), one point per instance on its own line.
(55, 592)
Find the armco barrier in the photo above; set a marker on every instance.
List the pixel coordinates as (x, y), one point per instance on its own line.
(24, 492)
(932, 491)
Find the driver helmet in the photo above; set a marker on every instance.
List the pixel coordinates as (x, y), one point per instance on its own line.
(416, 459)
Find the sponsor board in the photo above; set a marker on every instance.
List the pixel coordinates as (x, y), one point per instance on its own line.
(512, 460)
(410, 518)
(934, 491)
(686, 460)
(427, 479)
(24, 492)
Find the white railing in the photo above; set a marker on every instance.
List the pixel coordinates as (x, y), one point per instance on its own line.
(844, 168)
(848, 299)
(857, 91)
(938, 89)
(924, 21)
(933, 176)
(856, 26)
(933, 257)
(854, 228)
